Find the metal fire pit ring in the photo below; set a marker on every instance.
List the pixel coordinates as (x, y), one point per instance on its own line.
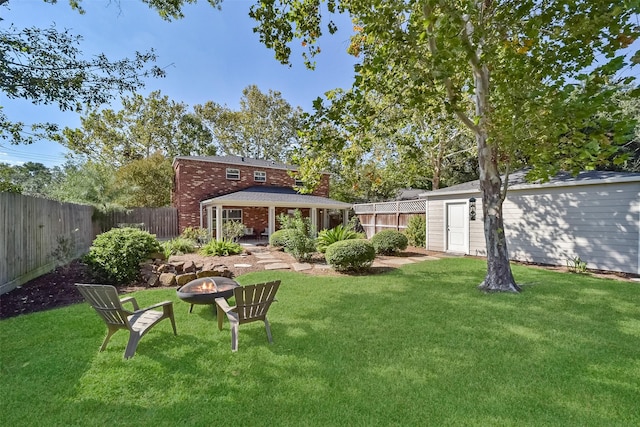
(206, 289)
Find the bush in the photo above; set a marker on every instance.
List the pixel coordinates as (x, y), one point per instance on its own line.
(299, 241)
(300, 246)
(178, 246)
(232, 230)
(117, 254)
(353, 254)
(197, 234)
(221, 248)
(281, 237)
(416, 231)
(337, 234)
(389, 242)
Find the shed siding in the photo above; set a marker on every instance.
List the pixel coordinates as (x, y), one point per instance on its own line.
(597, 223)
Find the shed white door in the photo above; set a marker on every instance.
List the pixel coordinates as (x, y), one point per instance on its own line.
(456, 235)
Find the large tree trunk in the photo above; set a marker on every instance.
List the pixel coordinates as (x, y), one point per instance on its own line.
(499, 276)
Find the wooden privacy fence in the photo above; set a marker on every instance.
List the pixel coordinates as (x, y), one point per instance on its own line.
(376, 217)
(32, 229)
(163, 222)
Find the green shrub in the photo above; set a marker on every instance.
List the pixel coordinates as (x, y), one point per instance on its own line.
(350, 255)
(280, 238)
(197, 234)
(232, 230)
(416, 231)
(337, 234)
(178, 246)
(300, 241)
(221, 248)
(389, 242)
(117, 254)
(300, 246)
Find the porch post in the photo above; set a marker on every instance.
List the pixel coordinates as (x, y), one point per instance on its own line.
(345, 217)
(210, 220)
(218, 222)
(325, 218)
(314, 219)
(272, 220)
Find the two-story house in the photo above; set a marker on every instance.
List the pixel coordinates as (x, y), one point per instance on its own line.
(251, 191)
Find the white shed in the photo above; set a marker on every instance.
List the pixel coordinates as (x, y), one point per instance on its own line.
(594, 216)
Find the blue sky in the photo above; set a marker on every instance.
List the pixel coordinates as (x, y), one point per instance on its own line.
(209, 55)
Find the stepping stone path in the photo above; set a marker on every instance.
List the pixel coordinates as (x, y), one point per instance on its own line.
(277, 266)
(264, 255)
(297, 266)
(270, 262)
(396, 261)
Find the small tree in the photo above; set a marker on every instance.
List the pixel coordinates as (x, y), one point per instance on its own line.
(300, 242)
(232, 230)
(416, 231)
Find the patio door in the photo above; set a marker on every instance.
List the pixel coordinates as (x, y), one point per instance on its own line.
(456, 229)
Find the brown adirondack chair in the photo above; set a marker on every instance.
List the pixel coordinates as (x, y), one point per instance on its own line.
(252, 304)
(104, 299)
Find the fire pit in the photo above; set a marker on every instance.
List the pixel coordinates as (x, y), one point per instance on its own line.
(206, 290)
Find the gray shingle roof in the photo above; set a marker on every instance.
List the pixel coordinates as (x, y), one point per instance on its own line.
(239, 161)
(276, 196)
(517, 181)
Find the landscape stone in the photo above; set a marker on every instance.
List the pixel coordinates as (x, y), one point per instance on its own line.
(189, 267)
(207, 273)
(397, 261)
(298, 266)
(166, 268)
(168, 279)
(183, 279)
(242, 265)
(277, 266)
(153, 280)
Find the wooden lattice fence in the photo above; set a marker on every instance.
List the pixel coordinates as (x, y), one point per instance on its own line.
(376, 217)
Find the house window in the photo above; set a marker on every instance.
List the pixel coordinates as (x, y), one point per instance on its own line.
(229, 215)
(233, 173)
(260, 176)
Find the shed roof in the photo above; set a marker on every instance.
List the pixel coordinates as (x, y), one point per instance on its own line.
(517, 181)
(275, 196)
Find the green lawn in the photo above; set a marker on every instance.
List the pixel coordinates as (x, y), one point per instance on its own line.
(417, 346)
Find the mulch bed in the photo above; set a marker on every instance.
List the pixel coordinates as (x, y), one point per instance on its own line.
(51, 290)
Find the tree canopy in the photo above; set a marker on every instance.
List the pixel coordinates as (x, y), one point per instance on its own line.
(534, 74)
(46, 66)
(265, 127)
(143, 127)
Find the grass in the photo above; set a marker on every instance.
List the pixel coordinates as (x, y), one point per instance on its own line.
(417, 346)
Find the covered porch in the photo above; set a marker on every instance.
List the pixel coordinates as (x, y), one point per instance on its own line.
(258, 207)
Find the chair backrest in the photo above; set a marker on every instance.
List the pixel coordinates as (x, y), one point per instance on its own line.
(253, 301)
(104, 299)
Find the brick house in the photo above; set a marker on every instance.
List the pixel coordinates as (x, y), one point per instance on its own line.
(251, 191)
